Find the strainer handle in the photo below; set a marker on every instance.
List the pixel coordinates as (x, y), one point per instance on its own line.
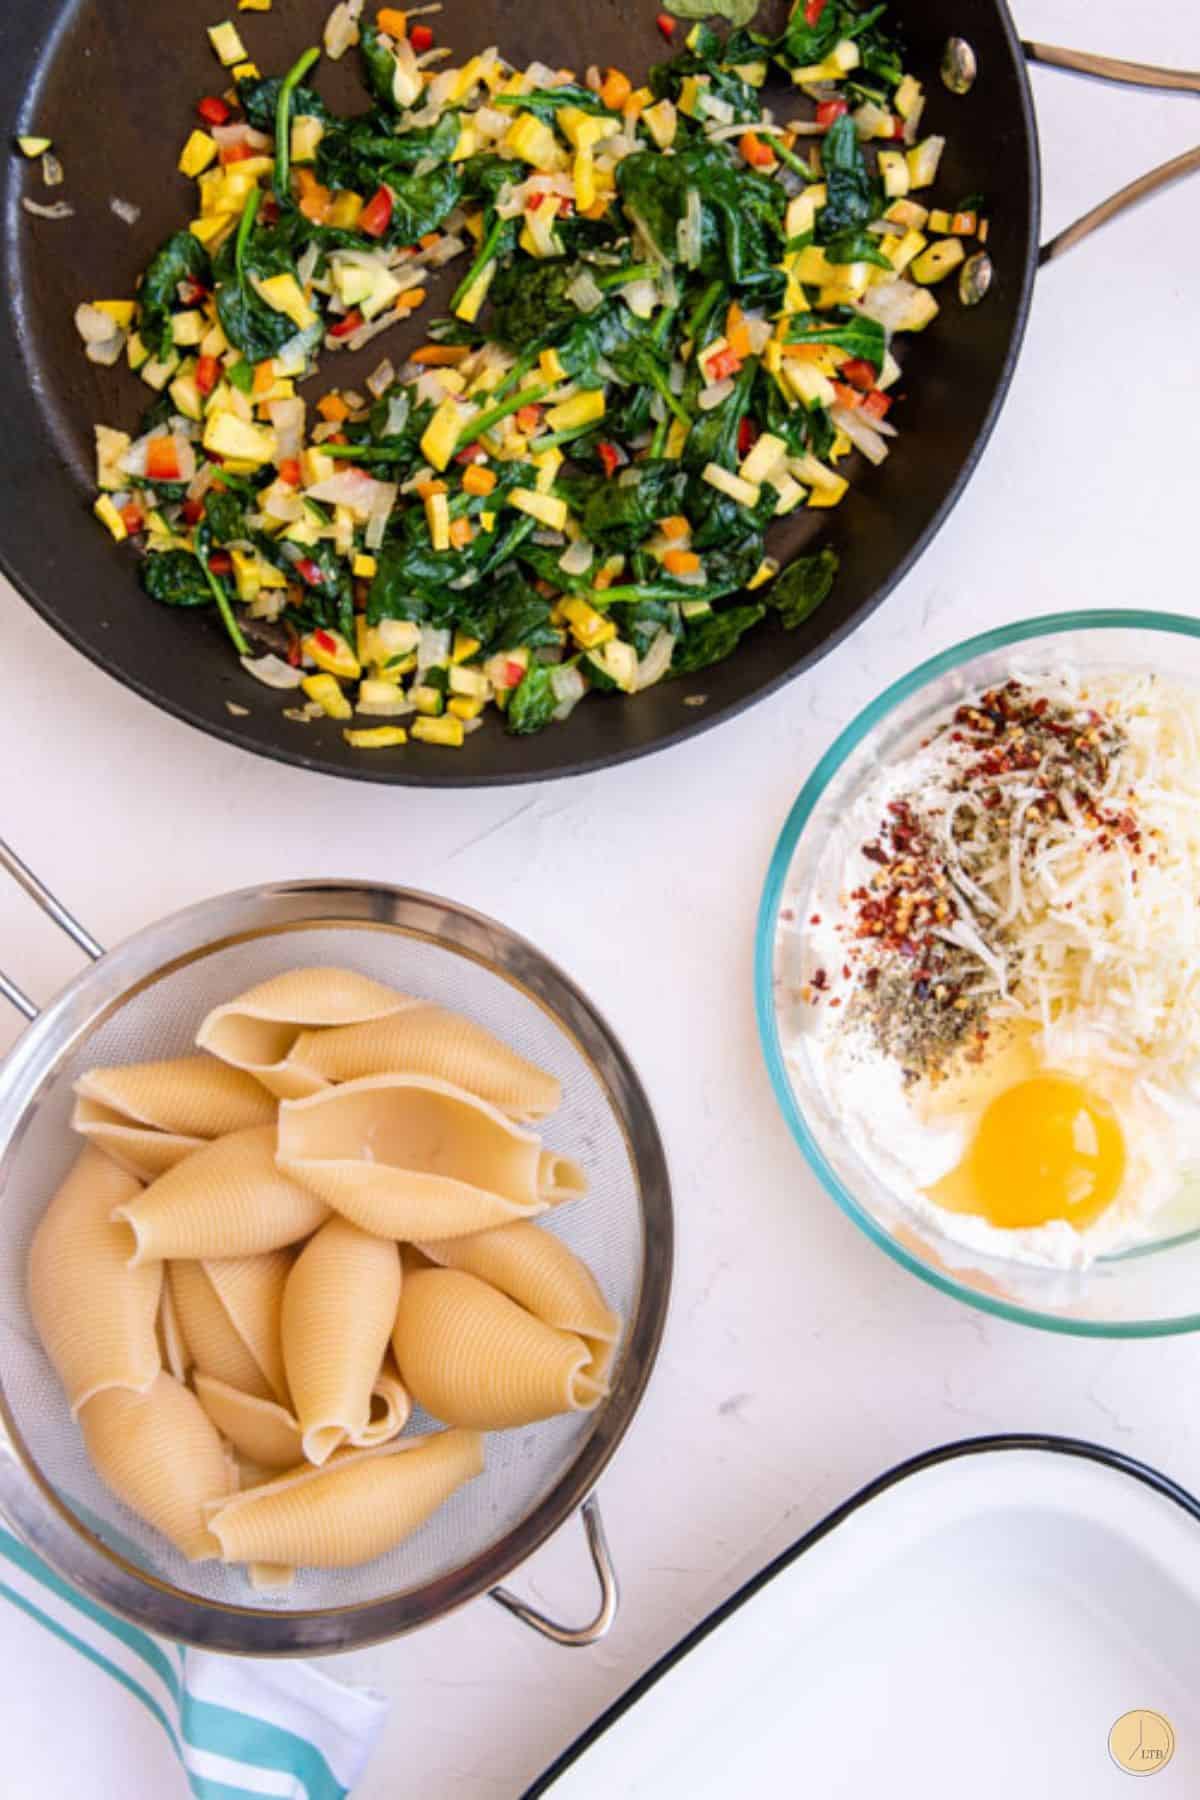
(574, 1637)
(54, 909)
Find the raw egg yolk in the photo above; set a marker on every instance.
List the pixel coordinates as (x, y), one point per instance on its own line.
(1045, 1149)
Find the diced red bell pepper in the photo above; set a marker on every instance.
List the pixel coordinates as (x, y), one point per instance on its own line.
(528, 418)
(208, 373)
(348, 326)
(747, 436)
(514, 674)
(610, 456)
(213, 110)
(666, 24)
(474, 453)
(324, 641)
(376, 215)
(162, 459)
(877, 405)
(725, 363)
(236, 153)
(310, 572)
(131, 518)
(859, 373)
(289, 471)
(221, 563)
(829, 110)
(193, 511)
(421, 38)
(813, 10)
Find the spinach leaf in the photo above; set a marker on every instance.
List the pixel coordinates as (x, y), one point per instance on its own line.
(260, 101)
(741, 211)
(329, 600)
(639, 622)
(225, 517)
(802, 586)
(529, 303)
(852, 197)
(176, 579)
(617, 514)
(181, 258)
(710, 640)
(532, 705)
(358, 153)
(510, 616)
(379, 67)
(844, 327)
(738, 12)
(545, 102)
(421, 202)
(854, 245)
(721, 82)
(252, 326)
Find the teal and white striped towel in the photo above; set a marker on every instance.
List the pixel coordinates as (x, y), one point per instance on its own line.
(92, 1706)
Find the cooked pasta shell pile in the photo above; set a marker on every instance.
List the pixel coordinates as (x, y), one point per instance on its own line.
(268, 1252)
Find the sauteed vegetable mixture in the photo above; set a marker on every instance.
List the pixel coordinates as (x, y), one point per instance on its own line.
(673, 321)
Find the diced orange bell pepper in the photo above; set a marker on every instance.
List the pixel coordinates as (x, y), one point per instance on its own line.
(440, 356)
(333, 408)
(392, 20)
(264, 376)
(477, 480)
(315, 199)
(615, 89)
(461, 533)
(681, 562)
(755, 152)
(675, 526)
(410, 299)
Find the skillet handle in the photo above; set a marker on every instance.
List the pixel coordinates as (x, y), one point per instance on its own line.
(575, 1637)
(1127, 74)
(54, 909)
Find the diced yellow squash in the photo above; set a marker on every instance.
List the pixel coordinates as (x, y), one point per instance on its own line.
(283, 294)
(923, 160)
(109, 517)
(316, 466)
(551, 367)
(345, 208)
(245, 574)
(589, 627)
(365, 567)
(307, 133)
(467, 145)
(440, 437)
(583, 173)
(331, 653)
(764, 455)
(437, 516)
(813, 266)
(197, 153)
(538, 236)
(429, 701)
(469, 306)
(906, 96)
(853, 283)
(677, 437)
(384, 290)
(382, 697)
(690, 89)
(136, 352)
(188, 329)
(187, 397)
(545, 508)
(788, 493)
(377, 737)
(254, 5)
(156, 373)
(33, 147)
(395, 637)
(801, 214)
(464, 647)
(767, 568)
(662, 122)
(119, 311)
(844, 56)
(487, 521)
(465, 706)
(447, 731)
(351, 281)
(893, 169)
(584, 408)
(807, 382)
(111, 446)
(584, 130)
(907, 250)
(228, 436)
(935, 263)
(472, 683)
(246, 71)
(532, 140)
(227, 44)
(211, 229)
(725, 482)
(547, 463)
(328, 696)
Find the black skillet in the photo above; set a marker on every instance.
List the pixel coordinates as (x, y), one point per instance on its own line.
(114, 83)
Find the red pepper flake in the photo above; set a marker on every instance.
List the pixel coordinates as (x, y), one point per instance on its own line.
(208, 373)
(376, 215)
(611, 458)
(348, 326)
(421, 38)
(666, 23)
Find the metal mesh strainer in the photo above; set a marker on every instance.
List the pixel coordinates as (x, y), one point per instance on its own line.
(145, 999)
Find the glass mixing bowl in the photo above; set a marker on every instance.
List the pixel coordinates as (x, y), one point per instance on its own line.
(1148, 1291)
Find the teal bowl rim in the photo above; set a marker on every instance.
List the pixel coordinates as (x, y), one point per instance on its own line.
(1026, 630)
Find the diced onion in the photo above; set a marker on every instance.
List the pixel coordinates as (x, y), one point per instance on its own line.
(52, 170)
(657, 660)
(578, 559)
(287, 418)
(640, 297)
(713, 394)
(349, 487)
(272, 671)
(126, 211)
(381, 511)
(341, 28)
(58, 209)
(851, 421)
(690, 231)
(93, 326)
(433, 649)
(568, 688)
(584, 292)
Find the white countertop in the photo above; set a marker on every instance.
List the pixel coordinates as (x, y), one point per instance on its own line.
(799, 1361)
